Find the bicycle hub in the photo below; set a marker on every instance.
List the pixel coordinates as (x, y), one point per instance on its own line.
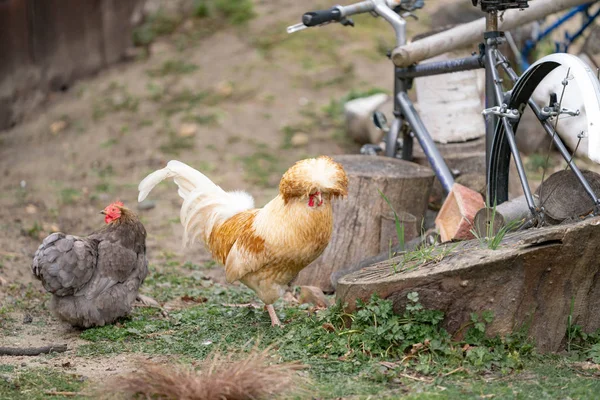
(500, 5)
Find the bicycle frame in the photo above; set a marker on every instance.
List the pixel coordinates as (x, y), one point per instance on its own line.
(489, 58)
(501, 121)
(561, 47)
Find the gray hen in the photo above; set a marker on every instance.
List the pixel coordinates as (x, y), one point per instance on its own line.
(95, 279)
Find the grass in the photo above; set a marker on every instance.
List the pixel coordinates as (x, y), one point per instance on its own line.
(373, 352)
(261, 167)
(491, 239)
(157, 24)
(172, 67)
(237, 12)
(115, 98)
(69, 196)
(175, 144)
(39, 383)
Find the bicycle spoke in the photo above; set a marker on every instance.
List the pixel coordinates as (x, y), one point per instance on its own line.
(565, 82)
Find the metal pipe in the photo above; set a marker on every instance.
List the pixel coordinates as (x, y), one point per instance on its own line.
(440, 67)
(490, 101)
(433, 155)
(397, 22)
(491, 21)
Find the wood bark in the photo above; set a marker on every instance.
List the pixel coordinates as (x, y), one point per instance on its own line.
(32, 351)
(47, 45)
(562, 196)
(472, 32)
(358, 219)
(529, 282)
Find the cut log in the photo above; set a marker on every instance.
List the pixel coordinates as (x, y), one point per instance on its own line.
(455, 219)
(472, 32)
(32, 351)
(562, 196)
(358, 219)
(529, 282)
(427, 239)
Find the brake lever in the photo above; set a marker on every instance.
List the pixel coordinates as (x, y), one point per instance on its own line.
(347, 21)
(296, 28)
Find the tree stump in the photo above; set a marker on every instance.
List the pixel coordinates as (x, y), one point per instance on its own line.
(466, 158)
(562, 196)
(529, 282)
(358, 219)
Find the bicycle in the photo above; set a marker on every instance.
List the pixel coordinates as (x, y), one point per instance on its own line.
(503, 108)
(562, 46)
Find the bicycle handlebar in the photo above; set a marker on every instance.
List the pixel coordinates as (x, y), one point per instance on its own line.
(336, 13)
(314, 18)
(383, 8)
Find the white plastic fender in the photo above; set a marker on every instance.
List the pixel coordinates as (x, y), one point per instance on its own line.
(582, 93)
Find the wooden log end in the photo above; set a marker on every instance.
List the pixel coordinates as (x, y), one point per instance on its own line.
(455, 219)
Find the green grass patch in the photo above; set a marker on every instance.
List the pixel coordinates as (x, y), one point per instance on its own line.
(368, 353)
(175, 144)
(157, 24)
(261, 166)
(237, 12)
(39, 383)
(172, 67)
(115, 98)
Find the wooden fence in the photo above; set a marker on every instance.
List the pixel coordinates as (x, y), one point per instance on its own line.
(45, 45)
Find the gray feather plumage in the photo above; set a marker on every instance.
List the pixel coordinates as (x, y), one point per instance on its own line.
(95, 279)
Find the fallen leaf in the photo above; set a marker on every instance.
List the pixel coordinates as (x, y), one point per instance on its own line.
(197, 299)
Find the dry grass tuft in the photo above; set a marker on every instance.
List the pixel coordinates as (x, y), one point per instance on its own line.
(219, 377)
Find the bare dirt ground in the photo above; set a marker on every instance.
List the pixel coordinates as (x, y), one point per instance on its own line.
(241, 105)
(227, 104)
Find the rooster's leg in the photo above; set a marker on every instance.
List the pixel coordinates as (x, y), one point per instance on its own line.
(274, 320)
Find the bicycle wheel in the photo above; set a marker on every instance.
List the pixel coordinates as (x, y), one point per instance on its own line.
(575, 90)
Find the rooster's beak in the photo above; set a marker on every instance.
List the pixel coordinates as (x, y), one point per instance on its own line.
(319, 197)
(103, 212)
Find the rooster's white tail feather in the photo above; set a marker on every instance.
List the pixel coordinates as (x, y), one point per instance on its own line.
(204, 203)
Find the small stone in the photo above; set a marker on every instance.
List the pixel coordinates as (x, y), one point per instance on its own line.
(188, 130)
(23, 364)
(50, 228)
(27, 319)
(31, 209)
(464, 283)
(3, 281)
(146, 205)
(224, 89)
(159, 46)
(58, 126)
(313, 295)
(299, 139)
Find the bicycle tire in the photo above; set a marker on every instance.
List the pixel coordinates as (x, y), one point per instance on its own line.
(500, 154)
